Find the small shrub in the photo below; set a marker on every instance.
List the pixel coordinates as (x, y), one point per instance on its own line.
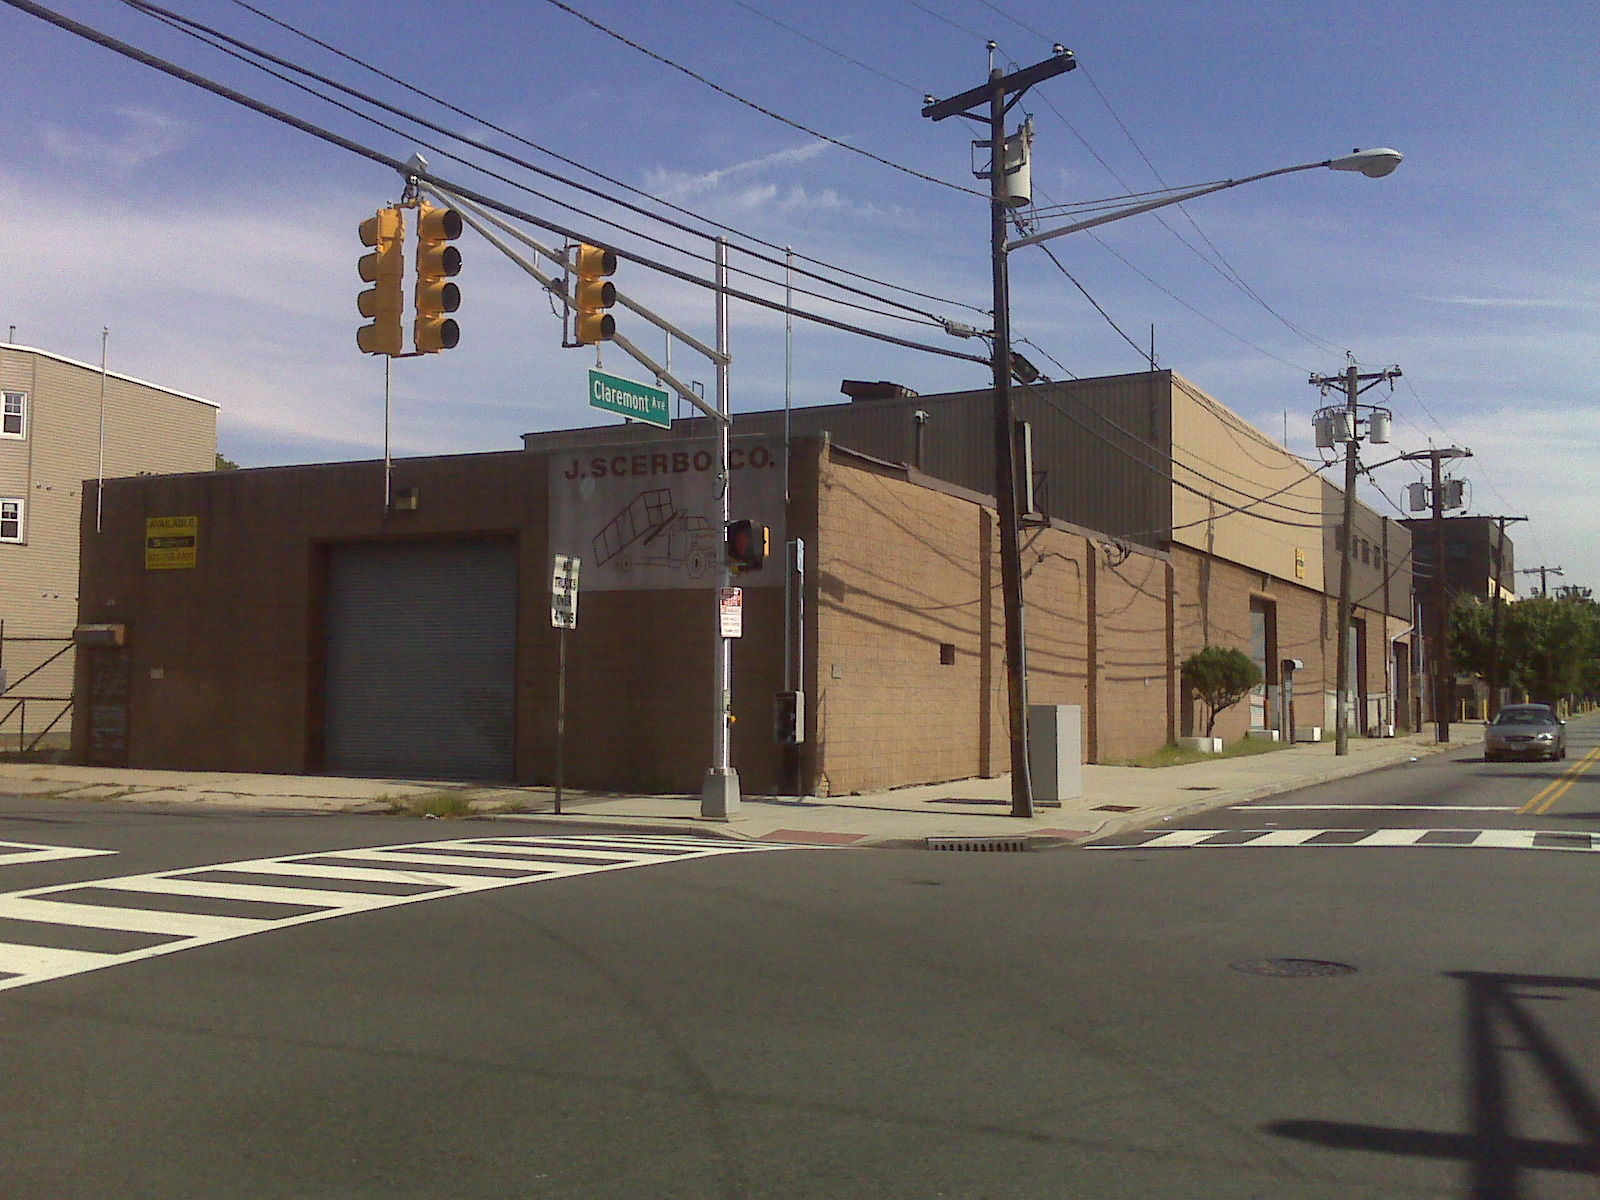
(1221, 677)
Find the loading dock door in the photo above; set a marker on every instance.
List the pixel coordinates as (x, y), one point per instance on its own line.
(421, 659)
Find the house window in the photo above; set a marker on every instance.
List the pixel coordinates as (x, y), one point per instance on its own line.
(14, 415)
(10, 520)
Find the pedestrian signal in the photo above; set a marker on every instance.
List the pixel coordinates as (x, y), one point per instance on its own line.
(748, 545)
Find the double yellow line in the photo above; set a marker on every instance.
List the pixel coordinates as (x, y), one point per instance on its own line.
(1541, 803)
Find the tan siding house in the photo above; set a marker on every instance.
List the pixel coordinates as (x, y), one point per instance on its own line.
(50, 444)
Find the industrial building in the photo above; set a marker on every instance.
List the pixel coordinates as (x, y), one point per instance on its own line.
(333, 620)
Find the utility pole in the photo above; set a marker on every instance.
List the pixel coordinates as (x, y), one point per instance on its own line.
(1442, 676)
(1494, 625)
(1543, 573)
(1349, 432)
(999, 95)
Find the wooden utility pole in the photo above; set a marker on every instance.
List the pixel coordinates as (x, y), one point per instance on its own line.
(1499, 549)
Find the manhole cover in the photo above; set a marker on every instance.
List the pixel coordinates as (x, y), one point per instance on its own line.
(1292, 968)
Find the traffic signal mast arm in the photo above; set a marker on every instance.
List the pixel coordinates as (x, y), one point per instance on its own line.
(485, 223)
(511, 230)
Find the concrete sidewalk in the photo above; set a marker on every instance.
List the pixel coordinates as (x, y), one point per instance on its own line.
(1115, 798)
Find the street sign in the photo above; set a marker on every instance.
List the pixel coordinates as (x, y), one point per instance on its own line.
(564, 592)
(626, 398)
(731, 601)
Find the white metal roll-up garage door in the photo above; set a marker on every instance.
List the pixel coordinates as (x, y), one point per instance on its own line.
(421, 659)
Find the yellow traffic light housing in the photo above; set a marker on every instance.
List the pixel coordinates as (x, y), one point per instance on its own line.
(384, 268)
(595, 294)
(435, 295)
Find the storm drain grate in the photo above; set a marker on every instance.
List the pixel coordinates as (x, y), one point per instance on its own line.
(1013, 842)
(1116, 808)
(1292, 968)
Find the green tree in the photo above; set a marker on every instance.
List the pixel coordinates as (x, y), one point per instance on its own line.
(1221, 677)
(226, 464)
(1549, 648)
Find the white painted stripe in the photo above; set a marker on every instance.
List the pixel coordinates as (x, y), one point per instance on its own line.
(1375, 807)
(509, 856)
(39, 960)
(1179, 837)
(12, 853)
(34, 964)
(466, 862)
(198, 888)
(131, 920)
(1491, 839)
(1393, 837)
(1287, 837)
(289, 867)
(1509, 839)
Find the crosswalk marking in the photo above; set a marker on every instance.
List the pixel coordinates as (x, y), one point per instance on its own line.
(12, 853)
(1394, 837)
(444, 868)
(1288, 837)
(1492, 839)
(44, 960)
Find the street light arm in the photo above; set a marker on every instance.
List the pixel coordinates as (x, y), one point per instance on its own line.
(1371, 163)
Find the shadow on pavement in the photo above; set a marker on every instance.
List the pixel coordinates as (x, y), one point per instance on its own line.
(1498, 1025)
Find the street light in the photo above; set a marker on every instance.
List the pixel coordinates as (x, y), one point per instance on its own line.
(1374, 164)
(987, 104)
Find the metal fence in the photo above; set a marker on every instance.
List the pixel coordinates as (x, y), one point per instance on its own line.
(36, 717)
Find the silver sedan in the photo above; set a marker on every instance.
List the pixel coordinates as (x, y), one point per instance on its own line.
(1525, 731)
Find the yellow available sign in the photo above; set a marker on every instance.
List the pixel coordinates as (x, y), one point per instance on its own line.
(171, 543)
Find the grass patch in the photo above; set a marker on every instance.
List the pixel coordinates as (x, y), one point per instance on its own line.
(1180, 756)
(441, 805)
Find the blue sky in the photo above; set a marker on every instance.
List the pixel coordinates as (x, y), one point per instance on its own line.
(220, 250)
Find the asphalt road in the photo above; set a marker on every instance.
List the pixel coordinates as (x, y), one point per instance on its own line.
(501, 1014)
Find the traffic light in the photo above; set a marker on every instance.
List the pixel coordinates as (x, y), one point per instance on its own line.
(747, 545)
(595, 294)
(435, 295)
(384, 268)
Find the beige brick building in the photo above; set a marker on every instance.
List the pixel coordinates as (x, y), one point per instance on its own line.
(50, 442)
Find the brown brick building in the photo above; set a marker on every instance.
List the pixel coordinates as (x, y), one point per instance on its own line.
(315, 630)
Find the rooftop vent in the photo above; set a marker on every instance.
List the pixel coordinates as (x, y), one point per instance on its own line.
(861, 389)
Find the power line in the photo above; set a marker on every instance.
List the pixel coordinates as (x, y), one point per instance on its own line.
(1170, 294)
(601, 175)
(1014, 21)
(1049, 253)
(938, 16)
(145, 58)
(222, 41)
(821, 45)
(1251, 501)
(766, 112)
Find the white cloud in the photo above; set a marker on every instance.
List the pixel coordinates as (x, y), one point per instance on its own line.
(1514, 302)
(680, 186)
(148, 135)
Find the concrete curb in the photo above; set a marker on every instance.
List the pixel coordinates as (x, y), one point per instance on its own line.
(855, 822)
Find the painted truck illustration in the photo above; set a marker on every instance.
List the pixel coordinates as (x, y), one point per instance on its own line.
(651, 532)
